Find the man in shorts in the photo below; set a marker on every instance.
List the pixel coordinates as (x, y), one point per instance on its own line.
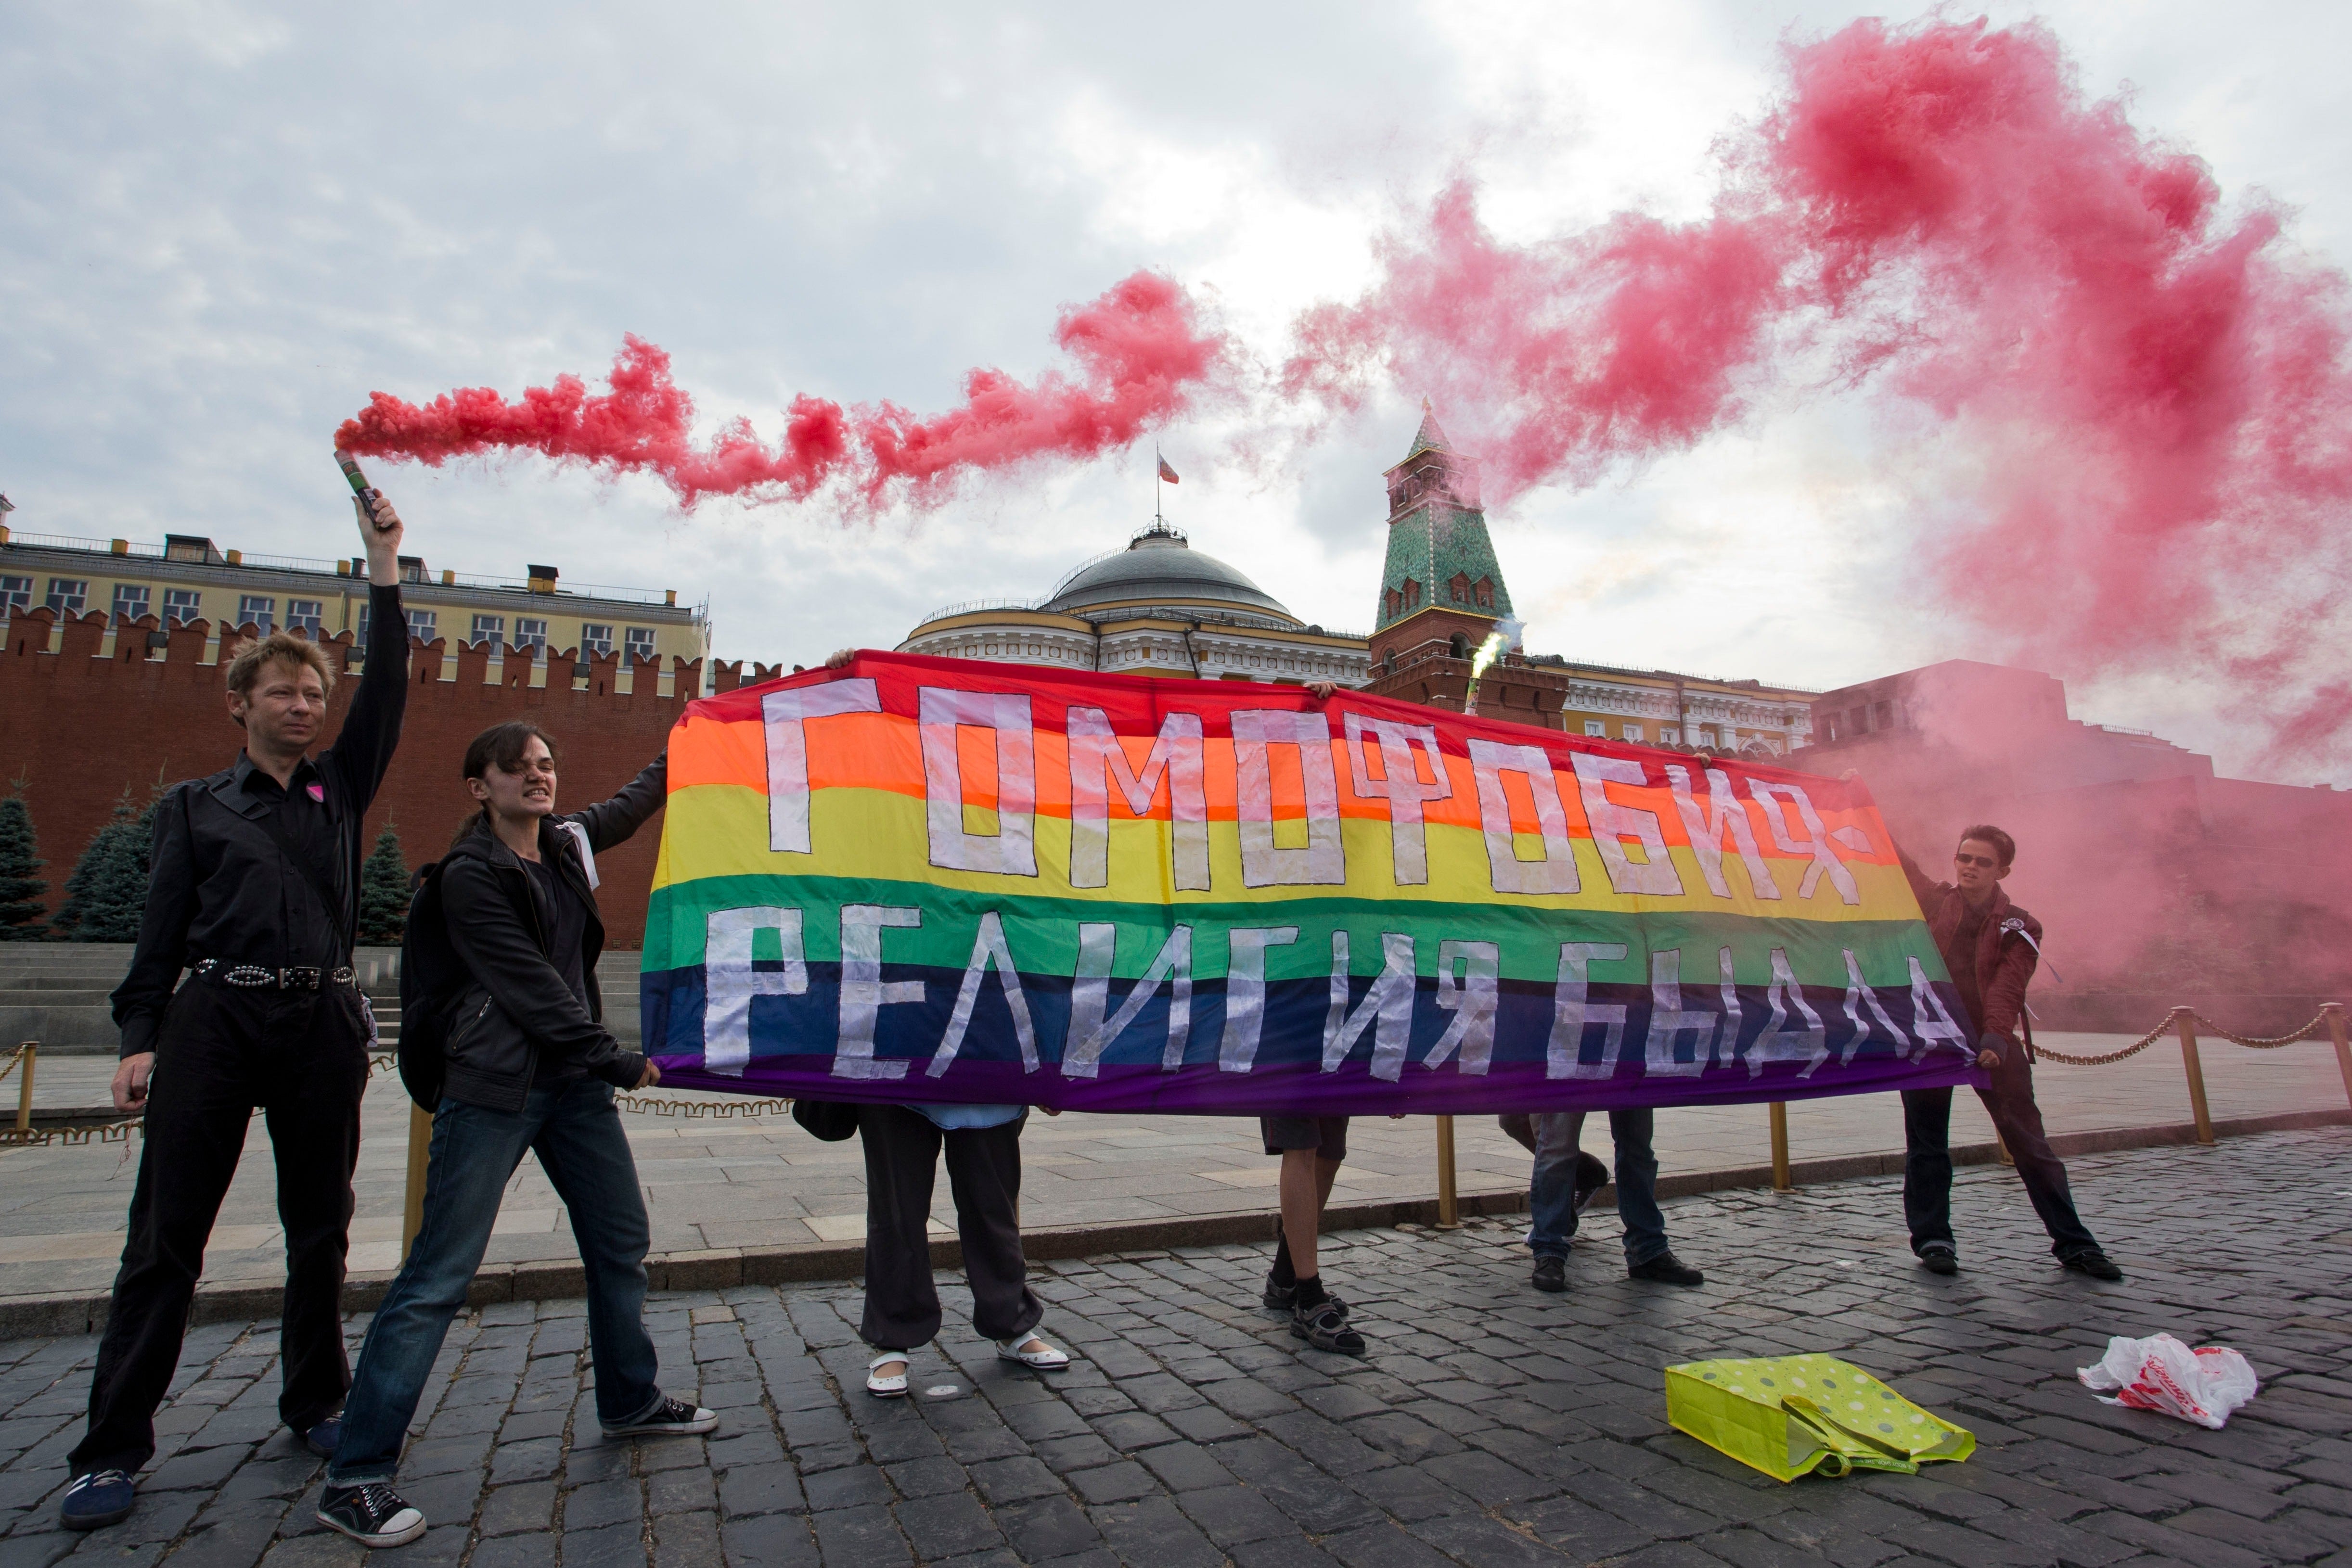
(1311, 1148)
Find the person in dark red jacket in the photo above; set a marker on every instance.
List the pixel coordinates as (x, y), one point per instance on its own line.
(1990, 947)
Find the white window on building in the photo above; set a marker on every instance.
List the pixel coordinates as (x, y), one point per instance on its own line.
(1706, 736)
(16, 596)
(68, 595)
(595, 640)
(1669, 736)
(130, 600)
(1596, 727)
(423, 624)
(182, 605)
(490, 629)
(530, 635)
(1632, 732)
(256, 610)
(639, 648)
(307, 616)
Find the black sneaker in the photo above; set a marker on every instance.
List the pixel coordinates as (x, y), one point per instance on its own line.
(1325, 1326)
(98, 1499)
(373, 1515)
(2094, 1263)
(1552, 1274)
(1938, 1258)
(1666, 1270)
(321, 1438)
(670, 1418)
(1591, 1175)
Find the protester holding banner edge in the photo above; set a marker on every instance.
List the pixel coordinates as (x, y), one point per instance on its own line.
(253, 888)
(499, 965)
(1990, 947)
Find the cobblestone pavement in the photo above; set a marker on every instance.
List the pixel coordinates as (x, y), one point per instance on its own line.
(1489, 1426)
(720, 1184)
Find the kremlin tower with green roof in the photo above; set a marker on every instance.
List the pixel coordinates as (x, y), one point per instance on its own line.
(1439, 556)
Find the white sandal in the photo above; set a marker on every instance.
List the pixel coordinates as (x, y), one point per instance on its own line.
(1045, 1359)
(888, 1387)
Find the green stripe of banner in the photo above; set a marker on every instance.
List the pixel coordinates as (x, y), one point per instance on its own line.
(1044, 932)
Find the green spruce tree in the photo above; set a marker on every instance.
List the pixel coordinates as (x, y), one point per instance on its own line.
(107, 892)
(23, 893)
(383, 892)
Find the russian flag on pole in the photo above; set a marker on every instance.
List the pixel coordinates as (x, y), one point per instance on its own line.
(1167, 473)
(914, 879)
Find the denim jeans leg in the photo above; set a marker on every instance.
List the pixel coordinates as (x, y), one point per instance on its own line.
(1637, 1185)
(474, 1151)
(586, 1157)
(1551, 1192)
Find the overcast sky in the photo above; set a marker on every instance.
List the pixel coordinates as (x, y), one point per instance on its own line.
(222, 225)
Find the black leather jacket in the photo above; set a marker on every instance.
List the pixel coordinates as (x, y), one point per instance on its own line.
(511, 1001)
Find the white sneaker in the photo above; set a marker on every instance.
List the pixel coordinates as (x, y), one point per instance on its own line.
(1032, 1351)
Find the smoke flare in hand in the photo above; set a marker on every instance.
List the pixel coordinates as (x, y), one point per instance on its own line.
(2147, 397)
(1140, 351)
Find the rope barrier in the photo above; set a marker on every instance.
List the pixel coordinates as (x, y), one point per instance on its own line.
(2311, 1031)
(2134, 1049)
(14, 1058)
(725, 1110)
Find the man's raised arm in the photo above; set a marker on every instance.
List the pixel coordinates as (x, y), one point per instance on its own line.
(371, 731)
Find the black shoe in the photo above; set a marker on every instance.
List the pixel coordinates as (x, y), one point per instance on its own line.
(1666, 1270)
(2094, 1263)
(1325, 1326)
(1591, 1175)
(321, 1438)
(670, 1418)
(373, 1515)
(1552, 1274)
(1938, 1258)
(98, 1499)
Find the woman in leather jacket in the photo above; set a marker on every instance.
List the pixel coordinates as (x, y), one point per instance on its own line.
(504, 935)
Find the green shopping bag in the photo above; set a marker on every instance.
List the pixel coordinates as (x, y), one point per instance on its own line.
(1791, 1415)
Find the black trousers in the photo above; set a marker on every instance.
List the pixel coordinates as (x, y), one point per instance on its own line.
(301, 1057)
(902, 1154)
(1928, 1160)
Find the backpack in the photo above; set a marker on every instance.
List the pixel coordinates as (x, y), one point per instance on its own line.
(431, 976)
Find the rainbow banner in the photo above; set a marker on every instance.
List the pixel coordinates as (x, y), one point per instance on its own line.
(927, 880)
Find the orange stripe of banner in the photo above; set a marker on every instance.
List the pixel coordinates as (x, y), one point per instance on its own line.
(882, 751)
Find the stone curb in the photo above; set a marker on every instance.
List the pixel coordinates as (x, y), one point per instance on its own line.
(718, 1267)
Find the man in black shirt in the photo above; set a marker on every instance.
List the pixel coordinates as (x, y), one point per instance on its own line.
(253, 889)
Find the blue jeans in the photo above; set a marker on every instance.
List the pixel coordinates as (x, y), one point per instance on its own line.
(1552, 1194)
(575, 1132)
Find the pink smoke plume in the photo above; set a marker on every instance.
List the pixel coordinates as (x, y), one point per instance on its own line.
(2153, 389)
(1141, 351)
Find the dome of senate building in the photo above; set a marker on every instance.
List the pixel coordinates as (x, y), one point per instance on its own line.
(1159, 566)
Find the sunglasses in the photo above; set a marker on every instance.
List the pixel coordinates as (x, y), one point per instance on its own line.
(1986, 861)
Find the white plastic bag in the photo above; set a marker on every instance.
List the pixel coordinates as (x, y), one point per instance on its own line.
(2159, 1373)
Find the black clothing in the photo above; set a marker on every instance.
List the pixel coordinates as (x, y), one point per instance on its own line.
(226, 877)
(1928, 1160)
(902, 1156)
(567, 924)
(245, 871)
(302, 1057)
(523, 994)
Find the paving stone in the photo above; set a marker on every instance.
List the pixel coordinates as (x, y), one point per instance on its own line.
(949, 1525)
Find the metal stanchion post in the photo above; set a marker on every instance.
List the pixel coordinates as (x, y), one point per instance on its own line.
(2186, 1023)
(2333, 1012)
(420, 1152)
(1449, 1209)
(31, 1048)
(1782, 1181)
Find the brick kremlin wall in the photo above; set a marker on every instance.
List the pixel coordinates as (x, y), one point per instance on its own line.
(104, 710)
